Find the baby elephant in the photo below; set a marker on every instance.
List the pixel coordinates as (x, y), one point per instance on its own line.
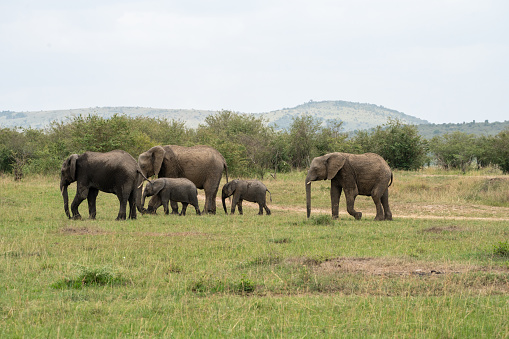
(250, 190)
(175, 189)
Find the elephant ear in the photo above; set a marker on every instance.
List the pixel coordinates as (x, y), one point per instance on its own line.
(72, 166)
(158, 185)
(334, 163)
(231, 187)
(157, 156)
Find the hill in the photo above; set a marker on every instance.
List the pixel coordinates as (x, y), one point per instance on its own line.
(428, 131)
(355, 116)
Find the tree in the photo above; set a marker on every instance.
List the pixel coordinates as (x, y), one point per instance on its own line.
(501, 150)
(400, 145)
(302, 140)
(454, 150)
(243, 139)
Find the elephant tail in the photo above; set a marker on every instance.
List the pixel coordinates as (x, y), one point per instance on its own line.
(225, 168)
(392, 180)
(270, 194)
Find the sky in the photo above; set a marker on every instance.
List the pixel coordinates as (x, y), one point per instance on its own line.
(439, 60)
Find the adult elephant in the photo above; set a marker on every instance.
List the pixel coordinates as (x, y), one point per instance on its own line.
(365, 174)
(203, 165)
(114, 172)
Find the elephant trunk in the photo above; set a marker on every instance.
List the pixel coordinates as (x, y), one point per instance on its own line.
(139, 191)
(223, 197)
(308, 197)
(63, 190)
(143, 196)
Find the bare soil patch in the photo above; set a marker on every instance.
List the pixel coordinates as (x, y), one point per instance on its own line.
(436, 229)
(384, 266)
(84, 230)
(175, 234)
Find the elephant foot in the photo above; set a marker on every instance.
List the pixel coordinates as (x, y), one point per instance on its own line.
(335, 217)
(358, 215)
(388, 217)
(76, 217)
(120, 217)
(379, 218)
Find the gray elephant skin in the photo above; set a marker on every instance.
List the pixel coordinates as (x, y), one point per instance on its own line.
(203, 165)
(114, 172)
(365, 174)
(175, 189)
(250, 190)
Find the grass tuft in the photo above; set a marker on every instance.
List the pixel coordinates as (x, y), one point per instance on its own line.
(321, 220)
(91, 277)
(501, 249)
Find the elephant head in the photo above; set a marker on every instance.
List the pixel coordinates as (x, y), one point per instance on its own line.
(227, 191)
(152, 188)
(151, 161)
(67, 176)
(323, 168)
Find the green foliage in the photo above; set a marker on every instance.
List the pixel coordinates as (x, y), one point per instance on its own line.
(251, 147)
(86, 276)
(501, 249)
(456, 150)
(501, 150)
(401, 145)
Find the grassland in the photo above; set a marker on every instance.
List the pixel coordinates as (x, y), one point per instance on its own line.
(439, 269)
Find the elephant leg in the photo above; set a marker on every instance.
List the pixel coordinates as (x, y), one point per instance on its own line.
(123, 206)
(385, 205)
(335, 194)
(260, 208)
(210, 188)
(132, 205)
(166, 208)
(235, 202)
(91, 199)
(350, 202)
(197, 208)
(174, 207)
(154, 204)
(379, 209)
(267, 210)
(240, 207)
(184, 208)
(81, 194)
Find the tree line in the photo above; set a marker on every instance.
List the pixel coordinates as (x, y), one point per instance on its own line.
(249, 145)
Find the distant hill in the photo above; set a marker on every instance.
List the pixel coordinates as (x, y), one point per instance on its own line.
(355, 116)
(428, 131)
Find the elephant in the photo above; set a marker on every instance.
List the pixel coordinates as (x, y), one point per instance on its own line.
(250, 190)
(203, 165)
(114, 172)
(365, 174)
(175, 189)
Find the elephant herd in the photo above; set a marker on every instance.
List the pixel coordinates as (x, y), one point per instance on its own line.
(182, 170)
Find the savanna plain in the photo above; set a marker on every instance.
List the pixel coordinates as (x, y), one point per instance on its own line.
(440, 269)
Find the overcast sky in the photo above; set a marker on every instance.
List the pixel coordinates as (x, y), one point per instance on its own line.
(438, 60)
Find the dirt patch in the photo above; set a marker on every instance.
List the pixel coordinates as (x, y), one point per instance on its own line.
(437, 229)
(174, 234)
(82, 231)
(384, 266)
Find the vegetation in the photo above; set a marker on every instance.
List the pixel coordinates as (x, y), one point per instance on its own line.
(282, 275)
(252, 148)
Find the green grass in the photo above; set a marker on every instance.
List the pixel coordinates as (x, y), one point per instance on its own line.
(433, 271)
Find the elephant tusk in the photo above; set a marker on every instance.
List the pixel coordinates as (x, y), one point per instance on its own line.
(308, 183)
